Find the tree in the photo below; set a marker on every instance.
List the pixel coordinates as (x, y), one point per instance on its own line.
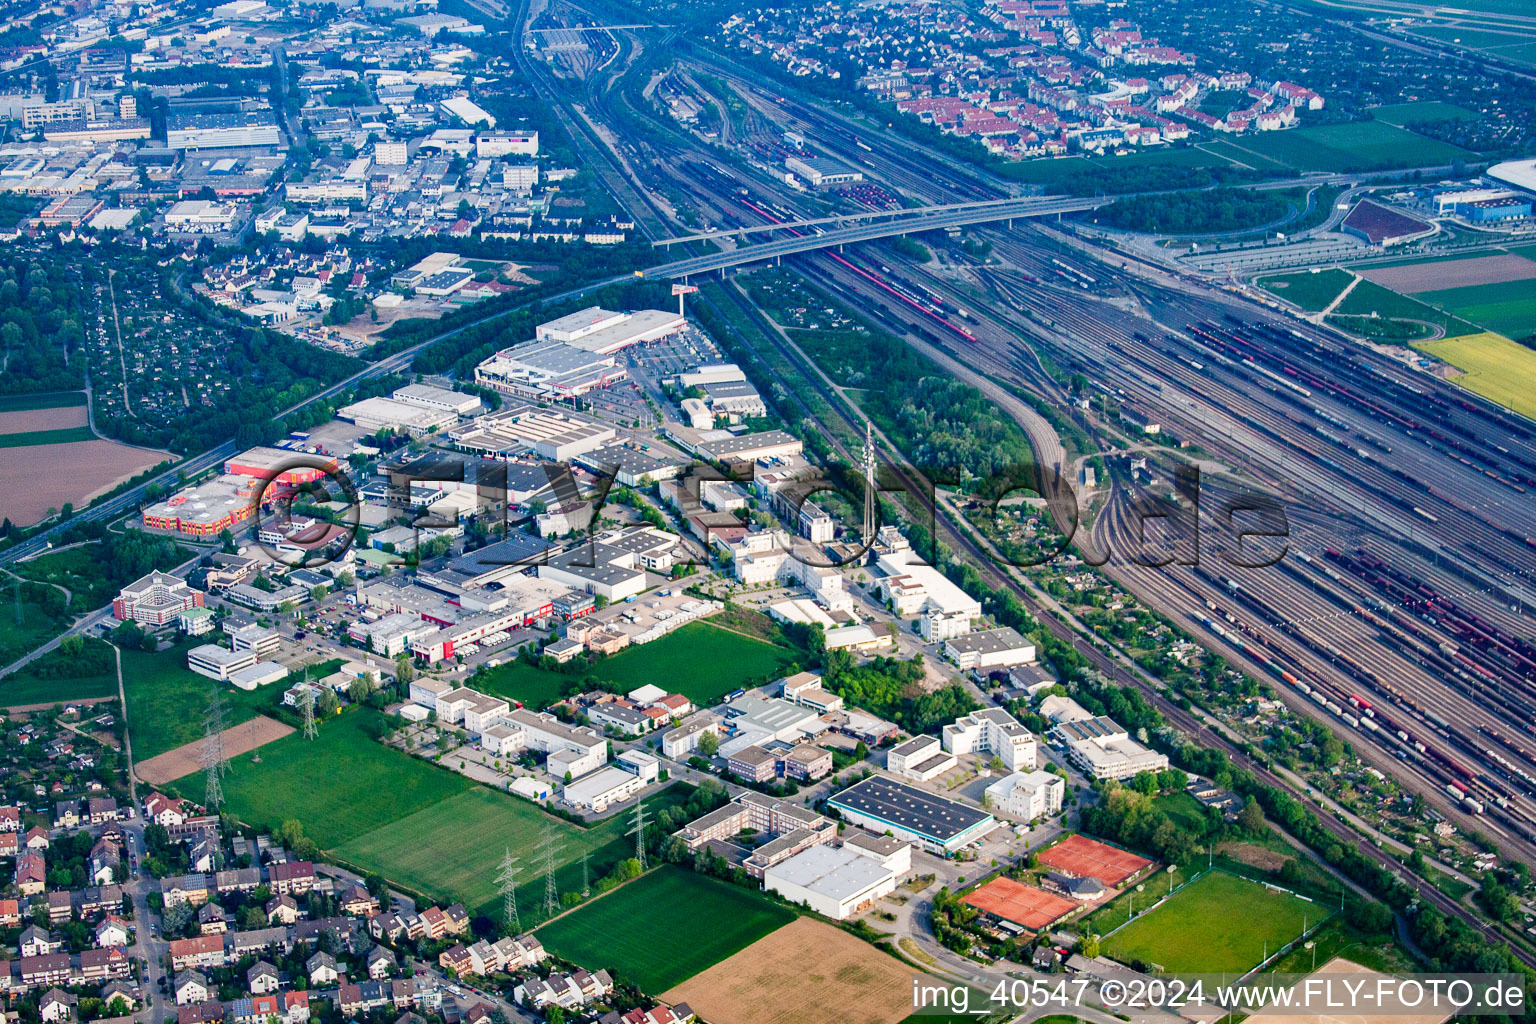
(709, 745)
(405, 669)
(554, 1015)
(1089, 947)
(1251, 817)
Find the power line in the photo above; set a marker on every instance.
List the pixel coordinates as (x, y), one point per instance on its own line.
(639, 833)
(212, 755)
(507, 882)
(551, 896)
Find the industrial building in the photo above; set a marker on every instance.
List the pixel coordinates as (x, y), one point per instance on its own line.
(834, 881)
(205, 509)
(221, 130)
(429, 397)
(819, 170)
(938, 825)
(944, 610)
(549, 370)
(991, 648)
(218, 662)
(605, 332)
(920, 759)
(1104, 750)
(489, 145)
(375, 414)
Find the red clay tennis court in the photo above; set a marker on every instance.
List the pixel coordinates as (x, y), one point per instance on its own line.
(1082, 857)
(1022, 904)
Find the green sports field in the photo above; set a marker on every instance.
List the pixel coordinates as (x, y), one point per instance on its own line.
(663, 928)
(1353, 146)
(1311, 292)
(341, 785)
(1507, 307)
(1217, 924)
(702, 661)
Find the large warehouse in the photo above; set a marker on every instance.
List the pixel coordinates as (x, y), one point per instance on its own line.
(605, 332)
(835, 882)
(941, 826)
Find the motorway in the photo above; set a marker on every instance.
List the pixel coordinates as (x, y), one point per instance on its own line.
(981, 213)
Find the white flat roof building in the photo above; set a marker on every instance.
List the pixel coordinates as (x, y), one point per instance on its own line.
(920, 758)
(259, 674)
(374, 414)
(604, 331)
(993, 731)
(217, 662)
(1027, 795)
(429, 397)
(1104, 749)
(833, 881)
(597, 791)
(990, 648)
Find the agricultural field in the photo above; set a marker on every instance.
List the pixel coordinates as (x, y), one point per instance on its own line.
(1057, 170)
(1219, 923)
(702, 661)
(1492, 365)
(1309, 291)
(166, 700)
(1353, 146)
(1511, 46)
(450, 848)
(1417, 278)
(52, 458)
(1422, 112)
(1504, 307)
(621, 932)
(807, 972)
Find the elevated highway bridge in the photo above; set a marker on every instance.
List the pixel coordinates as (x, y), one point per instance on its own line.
(896, 222)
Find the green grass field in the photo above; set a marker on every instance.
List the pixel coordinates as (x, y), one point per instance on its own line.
(1217, 924)
(27, 686)
(1369, 297)
(1424, 111)
(1512, 46)
(474, 829)
(166, 700)
(1495, 367)
(29, 620)
(423, 826)
(43, 400)
(1226, 151)
(626, 931)
(702, 661)
(1055, 170)
(1507, 307)
(1355, 146)
(63, 435)
(1312, 292)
